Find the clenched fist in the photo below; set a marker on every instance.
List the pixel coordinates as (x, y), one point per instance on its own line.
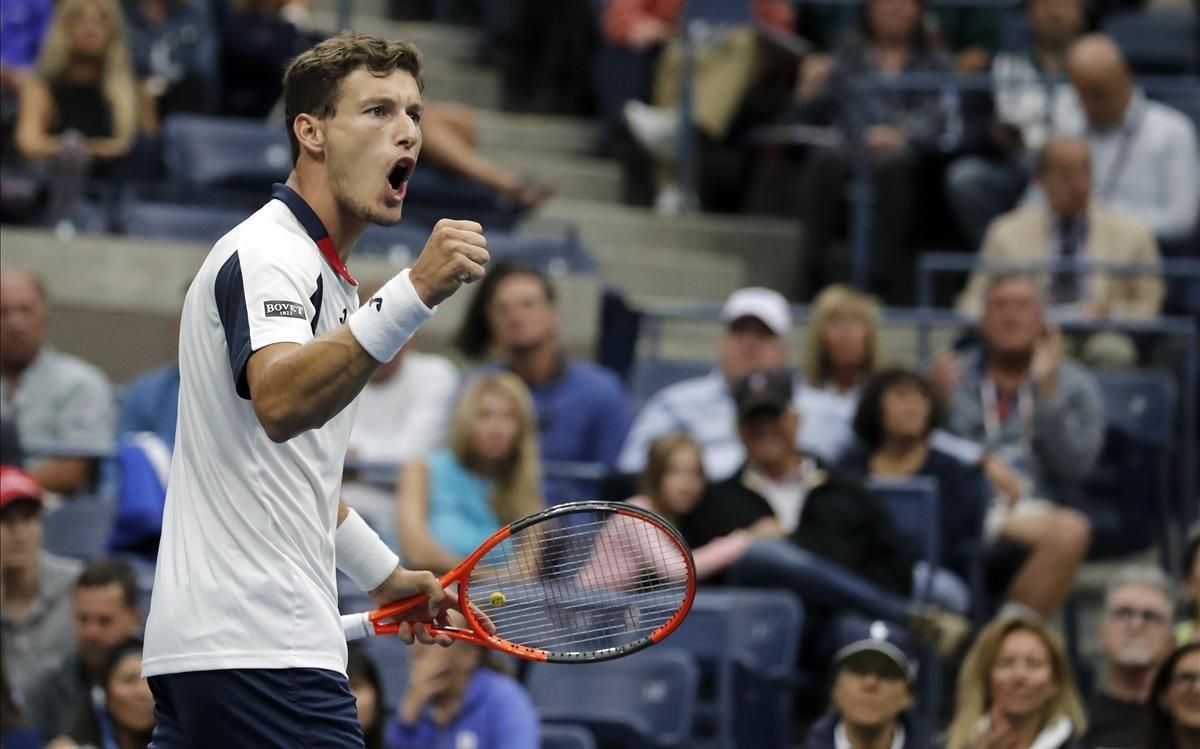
(455, 254)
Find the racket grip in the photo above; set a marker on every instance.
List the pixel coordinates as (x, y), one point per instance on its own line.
(357, 626)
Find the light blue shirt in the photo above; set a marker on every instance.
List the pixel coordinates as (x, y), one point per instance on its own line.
(460, 515)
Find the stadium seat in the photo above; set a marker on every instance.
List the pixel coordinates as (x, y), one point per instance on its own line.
(1126, 497)
(556, 256)
(651, 375)
(644, 700)
(745, 642)
(225, 152)
(1156, 41)
(79, 527)
(566, 737)
(193, 223)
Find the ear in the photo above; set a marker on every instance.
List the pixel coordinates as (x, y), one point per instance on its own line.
(310, 134)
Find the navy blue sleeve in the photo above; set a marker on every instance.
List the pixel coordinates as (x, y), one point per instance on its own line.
(231, 306)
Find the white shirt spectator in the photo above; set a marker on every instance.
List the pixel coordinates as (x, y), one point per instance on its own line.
(405, 417)
(1149, 167)
(1024, 100)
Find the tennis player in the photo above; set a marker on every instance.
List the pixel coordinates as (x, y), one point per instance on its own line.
(244, 647)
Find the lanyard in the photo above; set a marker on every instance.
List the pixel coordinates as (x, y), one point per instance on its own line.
(989, 393)
(1123, 146)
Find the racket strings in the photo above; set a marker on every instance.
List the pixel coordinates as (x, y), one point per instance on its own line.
(582, 582)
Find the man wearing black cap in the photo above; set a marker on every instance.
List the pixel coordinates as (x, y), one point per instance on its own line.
(821, 534)
(874, 672)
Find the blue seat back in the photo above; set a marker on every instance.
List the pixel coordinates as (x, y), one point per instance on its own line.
(79, 527)
(723, 12)
(1140, 403)
(556, 256)
(644, 700)
(914, 506)
(193, 223)
(1157, 41)
(566, 737)
(225, 152)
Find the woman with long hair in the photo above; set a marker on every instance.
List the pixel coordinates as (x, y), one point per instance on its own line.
(1016, 690)
(121, 710)
(84, 83)
(1173, 709)
(842, 350)
(488, 474)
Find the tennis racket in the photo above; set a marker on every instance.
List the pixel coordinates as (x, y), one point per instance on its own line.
(579, 582)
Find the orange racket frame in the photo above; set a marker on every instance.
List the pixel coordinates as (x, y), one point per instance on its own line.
(386, 620)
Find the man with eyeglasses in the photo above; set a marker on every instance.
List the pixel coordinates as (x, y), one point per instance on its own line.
(1135, 637)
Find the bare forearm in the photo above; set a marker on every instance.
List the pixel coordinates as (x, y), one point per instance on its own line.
(306, 386)
(62, 475)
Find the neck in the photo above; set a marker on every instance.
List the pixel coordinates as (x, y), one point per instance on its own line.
(344, 227)
(537, 364)
(1051, 57)
(1008, 368)
(870, 737)
(901, 450)
(19, 584)
(1026, 729)
(782, 468)
(1130, 684)
(84, 70)
(127, 739)
(845, 379)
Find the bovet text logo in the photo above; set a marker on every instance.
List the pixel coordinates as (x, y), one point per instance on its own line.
(277, 308)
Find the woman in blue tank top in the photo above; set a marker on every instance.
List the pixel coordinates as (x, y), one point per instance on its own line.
(488, 474)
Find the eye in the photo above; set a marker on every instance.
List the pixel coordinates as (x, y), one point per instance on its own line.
(377, 111)
(416, 116)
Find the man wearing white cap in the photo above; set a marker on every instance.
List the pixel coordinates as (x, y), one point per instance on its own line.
(758, 323)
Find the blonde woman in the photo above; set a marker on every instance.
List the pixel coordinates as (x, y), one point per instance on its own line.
(488, 474)
(843, 341)
(1016, 691)
(84, 83)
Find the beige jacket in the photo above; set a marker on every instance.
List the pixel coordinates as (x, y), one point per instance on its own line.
(1024, 235)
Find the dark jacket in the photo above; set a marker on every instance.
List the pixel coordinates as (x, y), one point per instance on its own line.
(820, 736)
(841, 522)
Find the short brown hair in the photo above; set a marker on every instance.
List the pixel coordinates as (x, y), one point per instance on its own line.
(100, 573)
(312, 81)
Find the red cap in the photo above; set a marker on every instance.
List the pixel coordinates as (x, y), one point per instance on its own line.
(16, 484)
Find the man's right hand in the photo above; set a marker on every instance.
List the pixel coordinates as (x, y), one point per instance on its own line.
(455, 254)
(944, 375)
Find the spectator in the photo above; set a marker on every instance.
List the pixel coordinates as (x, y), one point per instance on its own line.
(11, 453)
(449, 141)
(894, 421)
(1016, 689)
(150, 403)
(57, 400)
(1189, 629)
(456, 696)
(368, 693)
(125, 717)
(843, 342)
(1173, 707)
(257, 41)
(1026, 111)
(15, 731)
(873, 675)
(174, 47)
(106, 614)
(672, 485)
(1135, 637)
(724, 72)
(35, 598)
(22, 27)
(487, 476)
(1042, 414)
(1071, 226)
(84, 84)
(896, 126)
(1144, 152)
(582, 411)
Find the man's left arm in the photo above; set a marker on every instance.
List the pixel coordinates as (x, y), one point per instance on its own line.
(1180, 175)
(87, 420)
(613, 418)
(1068, 425)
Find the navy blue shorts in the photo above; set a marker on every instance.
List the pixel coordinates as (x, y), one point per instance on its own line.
(263, 708)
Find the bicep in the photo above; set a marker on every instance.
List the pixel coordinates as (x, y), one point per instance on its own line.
(412, 502)
(35, 113)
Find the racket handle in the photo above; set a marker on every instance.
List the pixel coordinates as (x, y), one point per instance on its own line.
(357, 626)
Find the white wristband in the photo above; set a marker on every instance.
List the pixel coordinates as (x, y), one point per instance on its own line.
(361, 554)
(385, 323)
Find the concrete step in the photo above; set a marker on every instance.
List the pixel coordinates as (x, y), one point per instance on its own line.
(500, 131)
(768, 247)
(572, 176)
(651, 275)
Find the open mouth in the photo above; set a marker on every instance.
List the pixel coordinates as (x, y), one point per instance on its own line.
(398, 177)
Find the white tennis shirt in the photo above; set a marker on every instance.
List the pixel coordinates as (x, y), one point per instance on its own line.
(245, 575)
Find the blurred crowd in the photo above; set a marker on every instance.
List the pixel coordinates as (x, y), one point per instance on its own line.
(1051, 145)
